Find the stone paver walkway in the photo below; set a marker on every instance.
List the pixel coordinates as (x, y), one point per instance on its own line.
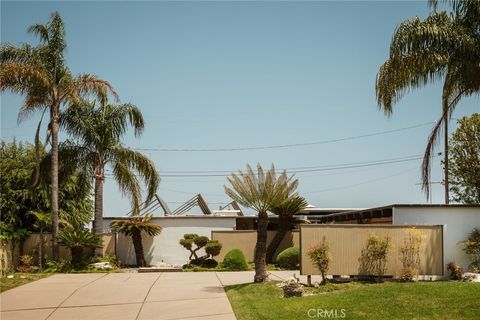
(126, 296)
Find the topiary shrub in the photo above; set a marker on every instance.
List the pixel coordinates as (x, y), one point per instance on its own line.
(235, 260)
(193, 243)
(209, 263)
(289, 258)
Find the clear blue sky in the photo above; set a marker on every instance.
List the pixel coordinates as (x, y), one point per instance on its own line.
(241, 74)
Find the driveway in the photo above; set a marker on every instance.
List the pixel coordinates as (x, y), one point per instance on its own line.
(126, 296)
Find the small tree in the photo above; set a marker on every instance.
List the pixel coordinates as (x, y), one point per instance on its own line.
(320, 257)
(134, 227)
(193, 243)
(76, 241)
(410, 254)
(373, 259)
(472, 249)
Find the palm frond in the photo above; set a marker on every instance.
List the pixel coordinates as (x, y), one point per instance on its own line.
(85, 85)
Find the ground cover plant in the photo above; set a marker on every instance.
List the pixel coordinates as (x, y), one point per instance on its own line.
(18, 279)
(389, 300)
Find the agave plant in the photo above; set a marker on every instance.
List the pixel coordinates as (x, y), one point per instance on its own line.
(77, 240)
(133, 227)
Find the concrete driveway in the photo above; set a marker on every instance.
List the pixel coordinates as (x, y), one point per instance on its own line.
(126, 296)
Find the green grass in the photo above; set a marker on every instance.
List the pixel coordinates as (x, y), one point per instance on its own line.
(390, 300)
(20, 279)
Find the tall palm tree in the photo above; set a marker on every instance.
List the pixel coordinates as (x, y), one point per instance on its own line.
(261, 192)
(41, 75)
(98, 132)
(285, 212)
(134, 227)
(441, 47)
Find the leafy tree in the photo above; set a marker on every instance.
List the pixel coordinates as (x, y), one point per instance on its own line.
(134, 227)
(98, 132)
(41, 75)
(441, 47)
(285, 211)
(471, 246)
(18, 198)
(261, 192)
(464, 167)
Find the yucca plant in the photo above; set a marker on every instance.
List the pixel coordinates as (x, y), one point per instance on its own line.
(41, 74)
(134, 227)
(285, 212)
(261, 191)
(76, 241)
(444, 46)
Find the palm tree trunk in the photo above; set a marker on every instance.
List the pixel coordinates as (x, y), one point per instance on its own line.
(447, 196)
(284, 225)
(77, 255)
(54, 181)
(98, 216)
(261, 248)
(137, 244)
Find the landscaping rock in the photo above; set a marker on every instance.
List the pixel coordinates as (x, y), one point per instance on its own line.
(471, 277)
(102, 266)
(291, 288)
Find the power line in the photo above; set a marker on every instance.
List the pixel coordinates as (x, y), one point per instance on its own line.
(283, 145)
(299, 170)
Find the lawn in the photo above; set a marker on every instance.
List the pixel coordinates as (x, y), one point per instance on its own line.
(20, 279)
(421, 300)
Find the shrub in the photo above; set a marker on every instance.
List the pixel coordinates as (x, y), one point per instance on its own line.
(62, 265)
(26, 265)
(410, 254)
(406, 275)
(321, 258)
(212, 247)
(77, 240)
(456, 270)
(235, 260)
(209, 263)
(472, 249)
(373, 258)
(289, 258)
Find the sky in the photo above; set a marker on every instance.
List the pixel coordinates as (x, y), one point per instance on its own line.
(233, 75)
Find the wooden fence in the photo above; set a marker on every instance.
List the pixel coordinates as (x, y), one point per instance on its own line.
(245, 240)
(347, 241)
(9, 259)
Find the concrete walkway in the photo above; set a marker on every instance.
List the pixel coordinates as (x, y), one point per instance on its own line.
(126, 296)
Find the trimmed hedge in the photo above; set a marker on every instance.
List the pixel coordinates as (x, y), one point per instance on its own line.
(235, 260)
(289, 258)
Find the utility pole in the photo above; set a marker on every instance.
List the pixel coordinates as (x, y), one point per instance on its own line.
(447, 198)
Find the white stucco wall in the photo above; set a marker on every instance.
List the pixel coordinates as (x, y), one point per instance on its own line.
(458, 222)
(165, 247)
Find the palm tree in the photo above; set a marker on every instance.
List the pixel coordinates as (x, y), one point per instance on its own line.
(285, 211)
(41, 75)
(76, 240)
(261, 192)
(134, 227)
(443, 46)
(98, 132)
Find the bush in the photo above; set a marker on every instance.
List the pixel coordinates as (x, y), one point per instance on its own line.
(213, 248)
(471, 247)
(235, 260)
(289, 258)
(373, 258)
(26, 265)
(209, 263)
(456, 270)
(410, 254)
(406, 275)
(61, 266)
(320, 258)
